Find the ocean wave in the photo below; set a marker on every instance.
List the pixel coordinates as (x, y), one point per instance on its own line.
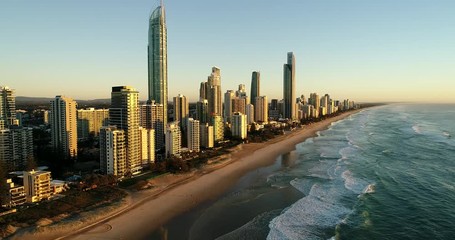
(416, 129)
(309, 217)
(352, 183)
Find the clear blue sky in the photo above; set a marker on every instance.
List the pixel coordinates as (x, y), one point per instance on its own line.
(366, 50)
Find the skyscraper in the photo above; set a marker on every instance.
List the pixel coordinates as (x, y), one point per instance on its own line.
(255, 87)
(193, 135)
(112, 151)
(152, 117)
(90, 121)
(289, 87)
(261, 114)
(214, 92)
(202, 111)
(7, 107)
(124, 113)
(64, 125)
(239, 125)
(173, 139)
(181, 110)
(157, 58)
(228, 97)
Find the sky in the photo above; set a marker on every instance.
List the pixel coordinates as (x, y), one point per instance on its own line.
(364, 50)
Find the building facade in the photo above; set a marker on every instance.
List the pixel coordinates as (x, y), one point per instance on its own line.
(173, 139)
(239, 125)
(113, 151)
(90, 121)
(157, 59)
(63, 119)
(193, 135)
(289, 87)
(37, 185)
(261, 110)
(255, 86)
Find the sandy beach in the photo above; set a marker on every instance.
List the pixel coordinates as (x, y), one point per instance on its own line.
(175, 194)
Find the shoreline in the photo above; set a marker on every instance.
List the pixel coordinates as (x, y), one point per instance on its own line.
(174, 195)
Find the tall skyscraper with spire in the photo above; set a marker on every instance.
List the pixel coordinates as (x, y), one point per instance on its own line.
(289, 87)
(157, 58)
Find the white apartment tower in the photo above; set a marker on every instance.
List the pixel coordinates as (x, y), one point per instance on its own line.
(113, 151)
(239, 125)
(173, 139)
(193, 135)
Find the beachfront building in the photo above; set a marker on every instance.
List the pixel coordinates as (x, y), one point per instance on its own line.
(239, 125)
(261, 114)
(206, 135)
(63, 121)
(218, 128)
(90, 121)
(289, 87)
(147, 145)
(112, 151)
(15, 195)
(214, 92)
(193, 135)
(37, 185)
(124, 114)
(173, 139)
(7, 108)
(152, 117)
(157, 60)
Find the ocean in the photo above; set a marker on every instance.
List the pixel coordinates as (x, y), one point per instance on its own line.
(384, 173)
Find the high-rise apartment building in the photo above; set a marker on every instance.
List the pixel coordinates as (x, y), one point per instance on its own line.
(214, 92)
(113, 151)
(181, 110)
(152, 117)
(218, 128)
(157, 59)
(7, 107)
(90, 121)
(261, 109)
(16, 147)
(124, 114)
(255, 86)
(206, 135)
(147, 145)
(249, 111)
(173, 139)
(202, 111)
(289, 87)
(228, 97)
(238, 105)
(239, 125)
(193, 135)
(63, 120)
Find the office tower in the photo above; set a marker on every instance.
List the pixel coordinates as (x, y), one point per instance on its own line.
(124, 113)
(173, 139)
(202, 111)
(152, 117)
(181, 110)
(255, 86)
(289, 87)
(7, 107)
(37, 185)
(157, 59)
(273, 109)
(261, 109)
(239, 125)
(147, 145)
(16, 147)
(206, 135)
(90, 121)
(228, 97)
(214, 92)
(193, 135)
(249, 111)
(113, 151)
(218, 128)
(63, 121)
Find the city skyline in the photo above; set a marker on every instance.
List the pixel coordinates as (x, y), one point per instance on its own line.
(369, 51)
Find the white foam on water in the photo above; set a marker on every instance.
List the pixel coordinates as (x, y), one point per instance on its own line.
(416, 129)
(309, 217)
(371, 188)
(352, 183)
